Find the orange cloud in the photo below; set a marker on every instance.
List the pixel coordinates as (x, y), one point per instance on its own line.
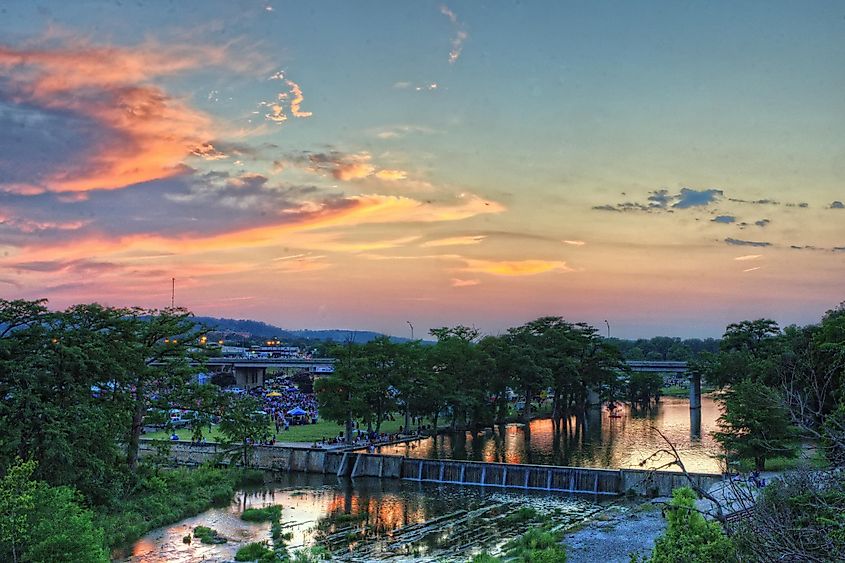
(454, 241)
(354, 210)
(391, 175)
(147, 134)
(457, 282)
(515, 267)
(296, 100)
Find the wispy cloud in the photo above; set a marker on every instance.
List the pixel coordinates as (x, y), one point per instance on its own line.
(574, 242)
(752, 269)
(748, 257)
(738, 242)
(515, 267)
(725, 219)
(663, 200)
(458, 282)
(454, 241)
(296, 100)
(460, 37)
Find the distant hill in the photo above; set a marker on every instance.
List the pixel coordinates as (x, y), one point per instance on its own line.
(264, 330)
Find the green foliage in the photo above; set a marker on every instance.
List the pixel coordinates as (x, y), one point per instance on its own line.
(266, 514)
(645, 387)
(755, 424)
(538, 545)
(315, 554)
(243, 424)
(40, 523)
(256, 552)
(208, 535)
(485, 558)
(169, 496)
(800, 517)
(689, 538)
(523, 515)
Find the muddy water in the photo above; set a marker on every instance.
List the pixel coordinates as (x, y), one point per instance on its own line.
(368, 520)
(602, 440)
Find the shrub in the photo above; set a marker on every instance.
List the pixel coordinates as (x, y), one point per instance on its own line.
(538, 545)
(208, 535)
(266, 514)
(255, 552)
(689, 537)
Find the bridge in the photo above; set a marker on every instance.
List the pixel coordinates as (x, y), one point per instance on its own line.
(250, 372)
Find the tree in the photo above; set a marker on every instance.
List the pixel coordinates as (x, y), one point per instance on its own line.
(40, 523)
(644, 387)
(748, 350)
(17, 500)
(243, 424)
(689, 538)
(460, 369)
(341, 396)
(159, 348)
(755, 424)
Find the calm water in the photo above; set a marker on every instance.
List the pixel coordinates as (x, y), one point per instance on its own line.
(602, 442)
(370, 520)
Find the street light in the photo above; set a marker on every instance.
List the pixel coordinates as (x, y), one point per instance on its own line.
(608, 327)
(412, 329)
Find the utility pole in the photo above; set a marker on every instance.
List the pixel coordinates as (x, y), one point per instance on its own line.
(412, 329)
(172, 293)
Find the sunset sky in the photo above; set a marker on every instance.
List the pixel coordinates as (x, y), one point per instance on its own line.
(668, 166)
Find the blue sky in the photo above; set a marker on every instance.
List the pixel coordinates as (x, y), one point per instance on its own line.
(670, 166)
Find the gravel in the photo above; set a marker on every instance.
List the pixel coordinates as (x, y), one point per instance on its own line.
(615, 534)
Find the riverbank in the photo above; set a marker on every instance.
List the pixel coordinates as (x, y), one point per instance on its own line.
(162, 497)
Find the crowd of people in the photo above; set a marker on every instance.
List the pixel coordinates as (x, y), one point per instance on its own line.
(286, 404)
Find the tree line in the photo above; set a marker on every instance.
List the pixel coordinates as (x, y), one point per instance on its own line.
(470, 378)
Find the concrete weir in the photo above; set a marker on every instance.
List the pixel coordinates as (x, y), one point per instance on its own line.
(354, 464)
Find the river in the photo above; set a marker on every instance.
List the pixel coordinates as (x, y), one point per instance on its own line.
(623, 441)
(370, 520)
(396, 520)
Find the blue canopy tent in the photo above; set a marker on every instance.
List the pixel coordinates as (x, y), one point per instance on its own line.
(297, 412)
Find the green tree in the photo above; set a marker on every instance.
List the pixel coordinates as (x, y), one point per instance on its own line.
(342, 396)
(460, 369)
(644, 387)
(40, 523)
(689, 538)
(243, 424)
(749, 349)
(17, 501)
(755, 424)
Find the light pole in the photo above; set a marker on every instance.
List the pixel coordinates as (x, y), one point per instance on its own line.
(412, 329)
(608, 327)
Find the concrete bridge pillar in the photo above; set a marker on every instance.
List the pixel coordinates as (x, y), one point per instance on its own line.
(695, 391)
(249, 377)
(695, 424)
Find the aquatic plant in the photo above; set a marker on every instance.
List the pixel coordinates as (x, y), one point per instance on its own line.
(266, 514)
(207, 535)
(256, 552)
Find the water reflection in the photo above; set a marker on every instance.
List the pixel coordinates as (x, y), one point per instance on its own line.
(598, 439)
(365, 520)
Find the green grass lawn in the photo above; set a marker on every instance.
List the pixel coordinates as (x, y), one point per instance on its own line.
(809, 458)
(682, 391)
(305, 433)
